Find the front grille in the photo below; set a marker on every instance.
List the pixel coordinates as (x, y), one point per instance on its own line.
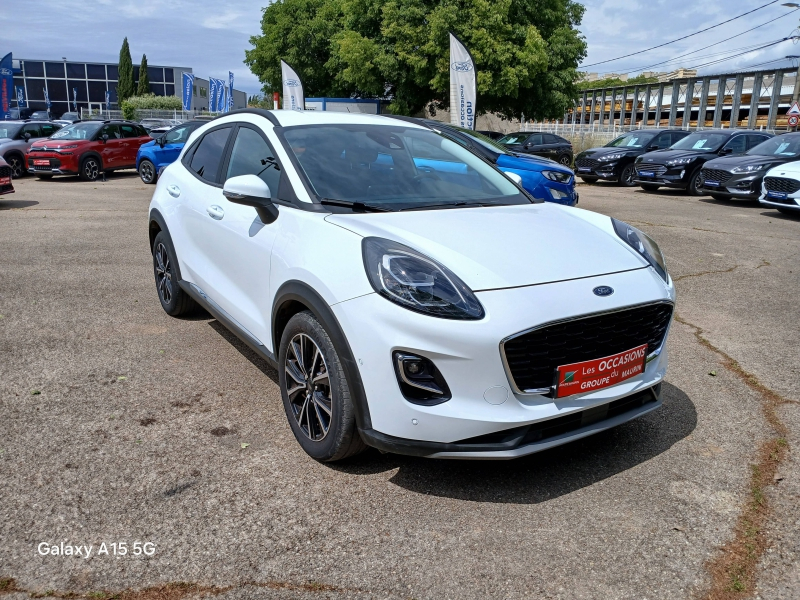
(781, 184)
(5, 171)
(54, 164)
(587, 162)
(533, 357)
(716, 175)
(658, 170)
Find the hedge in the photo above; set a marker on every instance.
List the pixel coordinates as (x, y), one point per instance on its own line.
(149, 102)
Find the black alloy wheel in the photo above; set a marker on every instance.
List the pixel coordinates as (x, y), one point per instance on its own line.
(147, 171)
(565, 159)
(15, 162)
(90, 169)
(174, 300)
(696, 180)
(626, 178)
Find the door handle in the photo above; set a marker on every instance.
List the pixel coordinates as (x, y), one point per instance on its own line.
(173, 190)
(215, 212)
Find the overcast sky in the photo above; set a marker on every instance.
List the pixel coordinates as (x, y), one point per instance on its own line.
(211, 37)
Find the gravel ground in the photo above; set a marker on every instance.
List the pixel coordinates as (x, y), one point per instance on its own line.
(121, 424)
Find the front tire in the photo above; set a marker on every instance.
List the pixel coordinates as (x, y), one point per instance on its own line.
(695, 187)
(17, 165)
(90, 169)
(626, 178)
(649, 187)
(565, 159)
(315, 391)
(174, 300)
(147, 171)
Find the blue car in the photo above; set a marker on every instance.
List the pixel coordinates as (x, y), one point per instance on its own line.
(542, 178)
(154, 156)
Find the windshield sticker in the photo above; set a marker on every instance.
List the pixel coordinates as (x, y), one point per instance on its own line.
(783, 147)
(632, 141)
(699, 144)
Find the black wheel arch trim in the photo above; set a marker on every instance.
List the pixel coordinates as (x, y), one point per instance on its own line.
(90, 154)
(298, 291)
(161, 225)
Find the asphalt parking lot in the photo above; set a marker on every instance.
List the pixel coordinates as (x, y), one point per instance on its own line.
(121, 424)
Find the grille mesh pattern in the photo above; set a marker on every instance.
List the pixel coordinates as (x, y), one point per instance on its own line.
(533, 357)
(587, 162)
(716, 175)
(781, 184)
(657, 169)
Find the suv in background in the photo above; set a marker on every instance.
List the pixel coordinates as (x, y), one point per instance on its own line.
(157, 154)
(681, 165)
(88, 149)
(542, 144)
(17, 136)
(41, 115)
(614, 161)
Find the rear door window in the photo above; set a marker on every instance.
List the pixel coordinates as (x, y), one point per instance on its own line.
(535, 140)
(129, 131)
(755, 140)
(207, 156)
(112, 131)
(33, 128)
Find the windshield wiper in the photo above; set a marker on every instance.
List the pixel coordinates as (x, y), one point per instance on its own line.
(448, 205)
(356, 206)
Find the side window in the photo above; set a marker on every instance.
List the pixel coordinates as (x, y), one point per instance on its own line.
(207, 157)
(49, 129)
(111, 130)
(33, 129)
(755, 140)
(252, 155)
(737, 145)
(535, 139)
(664, 140)
(678, 135)
(129, 131)
(178, 136)
(551, 139)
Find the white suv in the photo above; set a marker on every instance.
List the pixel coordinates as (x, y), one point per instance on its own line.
(411, 296)
(781, 188)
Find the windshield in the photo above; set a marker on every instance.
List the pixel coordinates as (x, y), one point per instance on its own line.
(513, 138)
(77, 131)
(483, 140)
(706, 142)
(9, 130)
(632, 140)
(785, 145)
(396, 167)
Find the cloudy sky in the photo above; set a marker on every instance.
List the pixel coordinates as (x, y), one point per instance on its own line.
(210, 37)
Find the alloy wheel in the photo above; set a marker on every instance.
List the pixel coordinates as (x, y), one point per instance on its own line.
(16, 166)
(91, 169)
(147, 172)
(308, 387)
(627, 176)
(163, 274)
(565, 160)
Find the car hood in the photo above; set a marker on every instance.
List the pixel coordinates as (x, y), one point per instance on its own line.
(50, 144)
(604, 151)
(791, 169)
(659, 157)
(505, 246)
(726, 163)
(526, 163)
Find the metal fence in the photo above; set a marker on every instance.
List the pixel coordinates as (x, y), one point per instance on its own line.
(180, 115)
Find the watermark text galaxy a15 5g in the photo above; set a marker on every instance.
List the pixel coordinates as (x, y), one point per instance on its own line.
(64, 548)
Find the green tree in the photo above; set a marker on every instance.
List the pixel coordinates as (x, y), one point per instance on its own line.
(615, 82)
(144, 78)
(526, 51)
(125, 84)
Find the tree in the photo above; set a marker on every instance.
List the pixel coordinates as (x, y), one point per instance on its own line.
(615, 82)
(526, 51)
(144, 78)
(125, 83)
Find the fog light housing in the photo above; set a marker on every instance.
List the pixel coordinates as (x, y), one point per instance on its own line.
(419, 379)
(558, 194)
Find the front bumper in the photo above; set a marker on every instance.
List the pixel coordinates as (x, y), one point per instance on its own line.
(743, 186)
(603, 170)
(791, 202)
(56, 164)
(674, 177)
(468, 355)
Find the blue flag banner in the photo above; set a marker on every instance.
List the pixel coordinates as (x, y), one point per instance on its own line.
(6, 86)
(108, 100)
(21, 97)
(46, 98)
(188, 87)
(220, 95)
(230, 91)
(212, 94)
(75, 98)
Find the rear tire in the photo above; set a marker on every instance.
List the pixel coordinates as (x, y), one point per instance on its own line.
(174, 300)
(90, 169)
(147, 171)
(315, 391)
(649, 187)
(565, 159)
(627, 176)
(589, 179)
(695, 187)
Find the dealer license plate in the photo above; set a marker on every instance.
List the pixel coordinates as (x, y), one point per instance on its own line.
(584, 170)
(5, 180)
(780, 195)
(41, 163)
(599, 373)
(646, 174)
(712, 183)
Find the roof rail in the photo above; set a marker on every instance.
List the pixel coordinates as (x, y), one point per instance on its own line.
(261, 112)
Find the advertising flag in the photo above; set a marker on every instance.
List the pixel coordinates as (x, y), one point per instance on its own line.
(46, 98)
(230, 91)
(463, 85)
(293, 97)
(188, 87)
(220, 95)
(6, 86)
(108, 100)
(21, 97)
(75, 98)
(212, 94)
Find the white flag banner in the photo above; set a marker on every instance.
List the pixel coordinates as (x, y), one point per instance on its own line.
(293, 98)
(463, 86)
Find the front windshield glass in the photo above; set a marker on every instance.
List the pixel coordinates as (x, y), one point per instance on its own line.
(637, 139)
(77, 131)
(784, 145)
(701, 141)
(9, 130)
(483, 140)
(513, 138)
(396, 167)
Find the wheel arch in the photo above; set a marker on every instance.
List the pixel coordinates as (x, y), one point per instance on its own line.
(16, 152)
(90, 154)
(294, 297)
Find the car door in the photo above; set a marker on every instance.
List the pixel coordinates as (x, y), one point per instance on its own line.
(111, 149)
(34, 130)
(174, 141)
(552, 146)
(130, 144)
(736, 145)
(535, 145)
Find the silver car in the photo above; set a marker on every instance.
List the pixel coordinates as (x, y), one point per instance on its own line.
(17, 136)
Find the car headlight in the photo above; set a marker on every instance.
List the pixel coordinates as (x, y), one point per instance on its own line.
(643, 244)
(558, 176)
(416, 282)
(679, 161)
(608, 157)
(749, 169)
(69, 147)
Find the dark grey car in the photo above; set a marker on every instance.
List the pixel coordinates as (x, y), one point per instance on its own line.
(17, 136)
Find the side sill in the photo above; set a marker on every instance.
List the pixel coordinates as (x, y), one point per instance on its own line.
(228, 321)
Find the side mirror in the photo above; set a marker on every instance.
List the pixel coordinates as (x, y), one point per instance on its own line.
(653, 147)
(513, 177)
(27, 135)
(251, 190)
(726, 151)
(104, 137)
(161, 140)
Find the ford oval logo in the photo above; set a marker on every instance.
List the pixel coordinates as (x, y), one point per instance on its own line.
(603, 290)
(461, 66)
(6, 72)
(291, 83)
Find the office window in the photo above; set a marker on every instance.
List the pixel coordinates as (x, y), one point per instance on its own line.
(155, 74)
(136, 73)
(54, 69)
(95, 71)
(157, 89)
(113, 72)
(57, 88)
(194, 90)
(80, 86)
(203, 92)
(35, 89)
(33, 69)
(97, 91)
(18, 82)
(76, 70)
(169, 90)
(169, 75)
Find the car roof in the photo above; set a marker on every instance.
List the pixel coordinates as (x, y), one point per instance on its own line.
(290, 118)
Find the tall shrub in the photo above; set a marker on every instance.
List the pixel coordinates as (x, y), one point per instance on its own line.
(144, 78)
(125, 84)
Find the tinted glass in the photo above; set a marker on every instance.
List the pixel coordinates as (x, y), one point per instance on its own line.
(482, 140)
(9, 130)
(129, 131)
(535, 139)
(252, 155)
(80, 86)
(96, 71)
(208, 155)
(514, 138)
(49, 129)
(77, 131)
(677, 135)
(169, 75)
(34, 69)
(34, 129)
(396, 167)
(57, 90)
(155, 74)
(701, 141)
(97, 91)
(785, 145)
(737, 145)
(550, 139)
(54, 69)
(113, 72)
(112, 131)
(169, 90)
(77, 70)
(755, 140)
(179, 135)
(635, 139)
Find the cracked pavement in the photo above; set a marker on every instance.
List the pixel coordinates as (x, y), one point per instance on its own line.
(119, 423)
